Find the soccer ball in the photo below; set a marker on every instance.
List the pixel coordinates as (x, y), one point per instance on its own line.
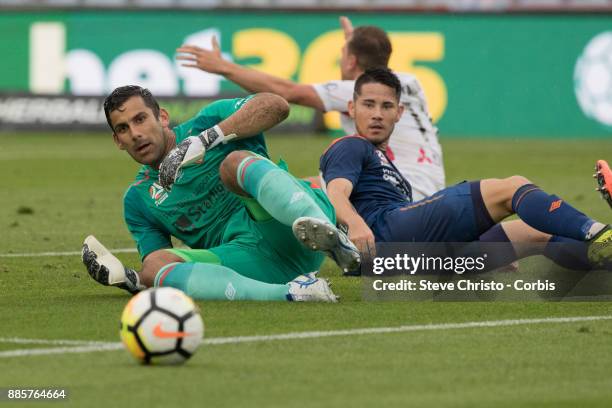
(161, 326)
(593, 79)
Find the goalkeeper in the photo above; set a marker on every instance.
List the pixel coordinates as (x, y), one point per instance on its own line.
(220, 194)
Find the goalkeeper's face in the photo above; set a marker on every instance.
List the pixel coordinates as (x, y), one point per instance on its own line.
(136, 130)
(375, 111)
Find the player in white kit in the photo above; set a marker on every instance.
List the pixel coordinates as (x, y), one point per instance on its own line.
(415, 149)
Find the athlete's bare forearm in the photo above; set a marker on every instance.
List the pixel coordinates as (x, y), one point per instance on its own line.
(345, 213)
(211, 60)
(263, 111)
(339, 191)
(257, 81)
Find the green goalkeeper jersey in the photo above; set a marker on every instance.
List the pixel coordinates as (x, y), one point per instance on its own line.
(199, 208)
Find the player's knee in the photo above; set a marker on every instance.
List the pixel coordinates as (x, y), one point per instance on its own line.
(498, 193)
(510, 186)
(153, 263)
(229, 168)
(232, 161)
(515, 182)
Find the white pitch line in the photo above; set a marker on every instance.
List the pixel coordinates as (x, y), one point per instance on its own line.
(92, 346)
(61, 350)
(20, 340)
(401, 329)
(68, 253)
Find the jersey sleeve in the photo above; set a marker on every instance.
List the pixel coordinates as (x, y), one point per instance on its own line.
(345, 158)
(335, 94)
(147, 233)
(224, 108)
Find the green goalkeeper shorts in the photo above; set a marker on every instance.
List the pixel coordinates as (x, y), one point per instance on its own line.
(257, 246)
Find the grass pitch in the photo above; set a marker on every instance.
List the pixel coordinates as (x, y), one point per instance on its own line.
(56, 189)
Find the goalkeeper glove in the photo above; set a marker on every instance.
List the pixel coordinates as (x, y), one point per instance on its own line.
(190, 151)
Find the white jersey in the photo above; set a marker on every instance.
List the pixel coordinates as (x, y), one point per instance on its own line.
(414, 142)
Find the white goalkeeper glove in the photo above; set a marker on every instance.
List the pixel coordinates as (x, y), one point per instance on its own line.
(189, 152)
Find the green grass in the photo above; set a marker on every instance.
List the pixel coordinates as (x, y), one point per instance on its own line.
(56, 189)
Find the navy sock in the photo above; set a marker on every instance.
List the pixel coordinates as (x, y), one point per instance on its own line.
(494, 234)
(500, 254)
(550, 214)
(568, 253)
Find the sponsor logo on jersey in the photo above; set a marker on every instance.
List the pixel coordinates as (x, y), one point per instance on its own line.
(382, 157)
(158, 193)
(330, 87)
(390, 175)
(423, 156)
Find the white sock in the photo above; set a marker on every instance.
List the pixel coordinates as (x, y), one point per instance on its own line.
(596, 228)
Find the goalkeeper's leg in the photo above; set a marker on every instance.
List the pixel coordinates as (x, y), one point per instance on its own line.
(198, 273)
(285, 199)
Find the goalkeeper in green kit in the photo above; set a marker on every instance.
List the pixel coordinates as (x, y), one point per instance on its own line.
(255, 231)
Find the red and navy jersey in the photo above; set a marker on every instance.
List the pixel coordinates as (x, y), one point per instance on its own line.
(377, 184)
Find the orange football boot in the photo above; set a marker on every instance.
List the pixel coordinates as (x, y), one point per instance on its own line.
(604, 180)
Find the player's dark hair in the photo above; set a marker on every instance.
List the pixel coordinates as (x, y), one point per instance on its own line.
(371, 46)
(122, 94)
(382, 76)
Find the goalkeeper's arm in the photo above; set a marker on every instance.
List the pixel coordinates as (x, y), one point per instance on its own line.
(258, 114)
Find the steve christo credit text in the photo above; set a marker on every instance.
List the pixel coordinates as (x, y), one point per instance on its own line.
(404, 263)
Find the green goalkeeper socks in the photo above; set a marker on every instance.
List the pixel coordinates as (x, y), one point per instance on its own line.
(205, 281)
(277, 191)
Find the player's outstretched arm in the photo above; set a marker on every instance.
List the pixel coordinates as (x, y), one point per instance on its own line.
(250, 79)
(258, 114)
(347, 27)
(338, 192)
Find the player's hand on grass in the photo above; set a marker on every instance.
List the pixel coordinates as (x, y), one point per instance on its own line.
(362, 236)
(189, 152)
(197, 57)
(90, 260)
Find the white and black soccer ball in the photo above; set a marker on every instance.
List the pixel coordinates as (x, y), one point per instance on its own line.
(161, 326)
(593, 79)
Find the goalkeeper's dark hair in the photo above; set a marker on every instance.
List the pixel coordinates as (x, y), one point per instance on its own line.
(122, 94)
(382, 76)
(371, 46)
